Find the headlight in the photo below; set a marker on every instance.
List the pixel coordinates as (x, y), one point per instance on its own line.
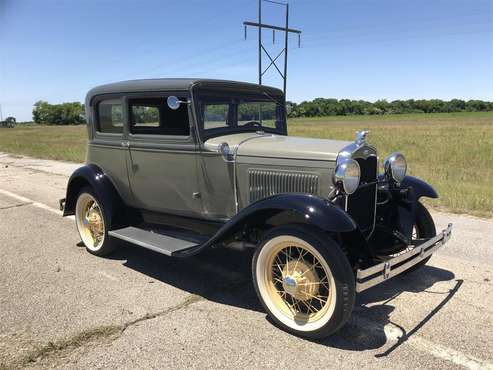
(347, 175)
(395, 166)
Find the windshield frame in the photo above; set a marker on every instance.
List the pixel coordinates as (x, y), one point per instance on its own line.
(233, 99)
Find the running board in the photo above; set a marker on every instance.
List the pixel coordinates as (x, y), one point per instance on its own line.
(154, 241)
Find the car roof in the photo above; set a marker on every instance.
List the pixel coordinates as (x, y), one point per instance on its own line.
(166, 84)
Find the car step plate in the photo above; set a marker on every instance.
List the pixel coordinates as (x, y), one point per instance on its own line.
(152, 240)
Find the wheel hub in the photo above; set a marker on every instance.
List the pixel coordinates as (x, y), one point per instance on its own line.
(300, 280)
(95, 224)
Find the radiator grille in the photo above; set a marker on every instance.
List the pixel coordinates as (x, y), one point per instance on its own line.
(264, 183)
(361, 204)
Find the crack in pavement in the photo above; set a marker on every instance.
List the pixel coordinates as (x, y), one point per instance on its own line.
(53, 351)
(15, 206)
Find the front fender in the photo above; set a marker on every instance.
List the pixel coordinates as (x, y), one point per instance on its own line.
(93, 176)
(296, 208)
(307, 208)
(421, 188)
(312, 209)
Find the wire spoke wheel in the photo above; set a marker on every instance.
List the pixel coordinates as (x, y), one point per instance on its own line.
(90, 221)
(296, 282)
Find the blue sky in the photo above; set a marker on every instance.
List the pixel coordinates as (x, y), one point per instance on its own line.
(386, 49)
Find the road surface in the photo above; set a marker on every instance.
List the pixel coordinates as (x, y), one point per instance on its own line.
(62, 307)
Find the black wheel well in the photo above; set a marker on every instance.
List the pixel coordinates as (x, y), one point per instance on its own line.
(72, 192)
(253, 227)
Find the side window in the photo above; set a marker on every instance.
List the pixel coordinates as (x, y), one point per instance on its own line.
(216, 115)
(145, 115)
(153, 116)
(110, 116)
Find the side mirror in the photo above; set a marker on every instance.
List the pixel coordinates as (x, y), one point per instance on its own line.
(174, 103)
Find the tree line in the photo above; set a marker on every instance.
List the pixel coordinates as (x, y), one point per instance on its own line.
(73, 113)
(344, 107)
(59, 114)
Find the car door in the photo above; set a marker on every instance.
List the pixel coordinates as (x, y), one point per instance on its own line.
(107, 133)
(162, 162)
(216, 176)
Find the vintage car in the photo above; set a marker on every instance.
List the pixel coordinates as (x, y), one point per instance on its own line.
(181, 165)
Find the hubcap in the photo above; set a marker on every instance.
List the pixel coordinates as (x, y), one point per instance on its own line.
(300, 280)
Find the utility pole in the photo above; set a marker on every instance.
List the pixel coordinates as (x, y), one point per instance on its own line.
(1, 114)
(262, 49)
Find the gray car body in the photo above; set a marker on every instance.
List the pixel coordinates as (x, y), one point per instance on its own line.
(186, 176)
(222, 195)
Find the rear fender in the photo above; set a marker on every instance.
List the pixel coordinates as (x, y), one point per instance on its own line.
(93, 176)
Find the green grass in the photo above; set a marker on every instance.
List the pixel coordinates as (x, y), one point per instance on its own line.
(66, 143)
(452, 151)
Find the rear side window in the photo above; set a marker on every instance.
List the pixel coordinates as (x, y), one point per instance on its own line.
(153, 116)
(110, 116)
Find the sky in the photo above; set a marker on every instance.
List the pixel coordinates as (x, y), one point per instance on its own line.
(56, 50)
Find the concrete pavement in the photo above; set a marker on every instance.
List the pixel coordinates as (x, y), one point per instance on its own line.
(62, 307)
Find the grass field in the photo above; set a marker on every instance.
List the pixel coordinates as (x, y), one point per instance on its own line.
(452, 151)
(66, 143)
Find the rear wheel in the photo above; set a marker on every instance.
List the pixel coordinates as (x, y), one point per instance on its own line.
(304, 281)
(93, 223)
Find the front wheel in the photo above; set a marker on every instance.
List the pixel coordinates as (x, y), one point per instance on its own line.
(304, 281)
(424, 228)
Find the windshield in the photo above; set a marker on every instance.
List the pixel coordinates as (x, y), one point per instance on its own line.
(222, 115)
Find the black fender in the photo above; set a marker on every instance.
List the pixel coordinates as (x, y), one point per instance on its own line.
(404, 205)
(299, 208)
(93, 176)
(420, 187)
(294, 208)
(407, 214)
(307, 208)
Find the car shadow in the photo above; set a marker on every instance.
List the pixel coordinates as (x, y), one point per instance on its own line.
(372, 310)
(224, 276)
(219, 275)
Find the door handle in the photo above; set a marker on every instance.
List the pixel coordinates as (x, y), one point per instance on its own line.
(126, 144)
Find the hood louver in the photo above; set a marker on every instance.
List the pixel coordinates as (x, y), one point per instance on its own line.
(265, 183)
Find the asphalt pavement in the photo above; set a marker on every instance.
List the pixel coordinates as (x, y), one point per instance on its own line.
(62, 307)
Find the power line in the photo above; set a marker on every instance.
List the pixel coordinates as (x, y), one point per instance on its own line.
(261, 48)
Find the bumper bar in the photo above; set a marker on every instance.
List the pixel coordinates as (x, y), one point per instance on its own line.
(383, 271)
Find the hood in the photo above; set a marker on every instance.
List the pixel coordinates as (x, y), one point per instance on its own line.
(278, 146)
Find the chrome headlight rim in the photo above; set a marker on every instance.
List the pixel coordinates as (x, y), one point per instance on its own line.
(347, 176)
(395, 166)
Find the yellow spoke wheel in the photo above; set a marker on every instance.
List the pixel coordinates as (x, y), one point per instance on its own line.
(298, 282)
(90, 222)
(304, 280)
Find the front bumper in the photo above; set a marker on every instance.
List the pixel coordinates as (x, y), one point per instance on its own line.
(383, 271)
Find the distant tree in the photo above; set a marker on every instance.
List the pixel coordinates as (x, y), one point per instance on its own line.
(333, 107)
(476, 105)
(58, 114)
